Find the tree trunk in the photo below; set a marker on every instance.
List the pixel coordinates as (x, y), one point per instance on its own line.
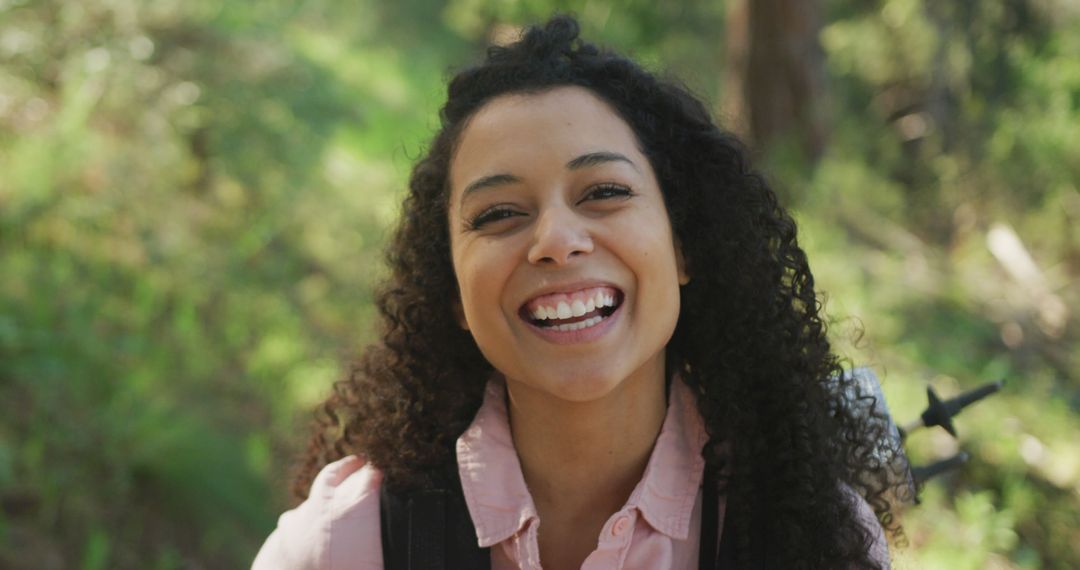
(775, 79)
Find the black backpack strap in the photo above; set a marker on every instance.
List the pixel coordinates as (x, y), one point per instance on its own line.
(461, 547)
(711, 556)
(429, 530)
(710, 514)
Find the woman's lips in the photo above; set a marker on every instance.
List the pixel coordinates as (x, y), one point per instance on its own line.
(579, 316)
(564, 305)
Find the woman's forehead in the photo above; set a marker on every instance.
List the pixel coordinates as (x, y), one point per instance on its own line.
(557, 125)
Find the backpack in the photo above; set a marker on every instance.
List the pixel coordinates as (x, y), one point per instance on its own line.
(431, 530)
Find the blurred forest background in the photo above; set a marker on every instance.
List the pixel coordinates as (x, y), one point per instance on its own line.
(194, 194)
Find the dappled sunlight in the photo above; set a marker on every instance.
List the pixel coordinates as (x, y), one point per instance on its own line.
(195, 196)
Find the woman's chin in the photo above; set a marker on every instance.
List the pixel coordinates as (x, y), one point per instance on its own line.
(572, 386)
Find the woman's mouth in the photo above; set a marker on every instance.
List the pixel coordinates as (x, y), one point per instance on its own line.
(566, 312)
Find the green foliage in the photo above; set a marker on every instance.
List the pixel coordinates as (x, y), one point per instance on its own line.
(190, 229)
(194, 196)
(942, 218)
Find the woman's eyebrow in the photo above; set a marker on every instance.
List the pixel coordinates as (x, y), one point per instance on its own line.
(584, 161)
(488, 182)
(599, 157)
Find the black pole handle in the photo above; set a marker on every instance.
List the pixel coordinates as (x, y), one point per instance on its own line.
(923, 473)
(940, 412)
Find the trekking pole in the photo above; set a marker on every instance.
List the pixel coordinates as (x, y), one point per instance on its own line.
(925, 472)
(941, 413)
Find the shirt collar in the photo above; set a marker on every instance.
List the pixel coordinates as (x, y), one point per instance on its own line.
(669, 487)
(491, 478)
(499, 501)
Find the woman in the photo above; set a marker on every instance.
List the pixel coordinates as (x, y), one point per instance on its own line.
(600, 331)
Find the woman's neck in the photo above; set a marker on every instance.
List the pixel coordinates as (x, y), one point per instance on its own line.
(581, 460)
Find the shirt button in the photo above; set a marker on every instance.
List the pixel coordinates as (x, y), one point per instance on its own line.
(620, 526)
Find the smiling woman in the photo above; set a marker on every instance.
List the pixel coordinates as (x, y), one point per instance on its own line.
(601, 348)
(578, 213)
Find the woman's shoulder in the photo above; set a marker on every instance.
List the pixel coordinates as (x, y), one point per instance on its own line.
(879, 547)
(338, 522)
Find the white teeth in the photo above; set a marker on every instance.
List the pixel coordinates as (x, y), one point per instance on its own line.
(579, 325)
(601, 300)
(575, 308)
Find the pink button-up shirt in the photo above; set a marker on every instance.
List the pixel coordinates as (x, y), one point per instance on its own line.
(337, 527)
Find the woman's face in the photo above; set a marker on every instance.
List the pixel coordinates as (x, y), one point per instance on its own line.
(568, 272)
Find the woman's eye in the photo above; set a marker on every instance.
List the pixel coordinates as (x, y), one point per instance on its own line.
(489, 216)
(607, 191)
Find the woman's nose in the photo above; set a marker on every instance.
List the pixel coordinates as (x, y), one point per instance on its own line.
(559, 236)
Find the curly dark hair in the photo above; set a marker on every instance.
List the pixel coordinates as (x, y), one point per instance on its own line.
(754, 349)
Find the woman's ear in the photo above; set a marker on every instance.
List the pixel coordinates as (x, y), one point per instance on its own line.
(680, 263)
